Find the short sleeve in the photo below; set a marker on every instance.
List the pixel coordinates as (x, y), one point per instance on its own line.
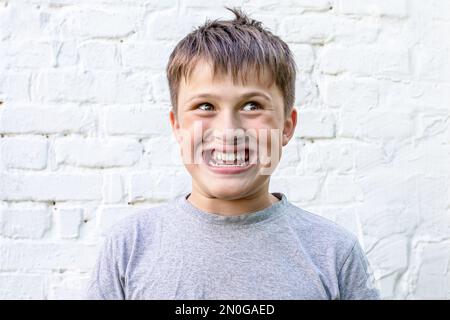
(356, 281)
(105, 281)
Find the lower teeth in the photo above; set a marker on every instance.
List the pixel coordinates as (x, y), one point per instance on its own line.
(214, 164)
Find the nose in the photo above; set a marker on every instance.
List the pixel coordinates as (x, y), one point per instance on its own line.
(228, 128)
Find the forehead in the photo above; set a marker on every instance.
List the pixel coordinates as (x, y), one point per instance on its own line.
(202, 78)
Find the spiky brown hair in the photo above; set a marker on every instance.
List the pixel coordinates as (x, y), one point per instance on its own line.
(241, 45)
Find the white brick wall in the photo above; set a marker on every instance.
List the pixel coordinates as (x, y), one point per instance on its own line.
(85, 137)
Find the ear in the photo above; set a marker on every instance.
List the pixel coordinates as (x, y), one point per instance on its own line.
(175, 125)
(289, 126)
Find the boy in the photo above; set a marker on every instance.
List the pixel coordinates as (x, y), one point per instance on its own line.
(232, 89)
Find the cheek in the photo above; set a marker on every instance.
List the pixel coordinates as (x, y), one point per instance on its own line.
(193, 131)
(262, 122)
(268, 130)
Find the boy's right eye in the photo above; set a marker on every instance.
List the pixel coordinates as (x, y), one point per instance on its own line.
(203, 104)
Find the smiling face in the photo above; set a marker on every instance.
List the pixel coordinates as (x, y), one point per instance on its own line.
(214, 115)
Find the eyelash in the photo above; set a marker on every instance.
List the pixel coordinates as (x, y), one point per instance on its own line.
(253, 102)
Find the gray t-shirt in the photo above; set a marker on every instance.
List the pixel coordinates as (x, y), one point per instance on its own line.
(176, 251)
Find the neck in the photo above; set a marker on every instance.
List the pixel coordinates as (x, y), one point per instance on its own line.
(231, 207)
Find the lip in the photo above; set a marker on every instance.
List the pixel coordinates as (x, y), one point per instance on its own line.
(225, 170)
(225, 148)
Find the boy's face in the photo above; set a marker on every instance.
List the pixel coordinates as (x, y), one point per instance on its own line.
(253, 126)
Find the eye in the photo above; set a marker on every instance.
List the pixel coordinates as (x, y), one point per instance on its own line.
(203, 104)
(256, 104)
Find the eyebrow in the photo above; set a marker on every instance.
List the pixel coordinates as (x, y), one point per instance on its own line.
(245, 95)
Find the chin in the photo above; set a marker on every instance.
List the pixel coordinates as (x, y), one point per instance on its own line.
(227, 193)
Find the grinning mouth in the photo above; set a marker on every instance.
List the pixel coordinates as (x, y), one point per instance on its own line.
(213, 158)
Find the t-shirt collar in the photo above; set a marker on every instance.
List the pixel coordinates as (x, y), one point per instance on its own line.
(270, 212)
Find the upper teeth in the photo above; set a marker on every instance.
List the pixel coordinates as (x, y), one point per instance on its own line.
(221, 156)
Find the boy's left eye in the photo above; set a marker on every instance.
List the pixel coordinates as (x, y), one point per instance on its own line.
(258, 106)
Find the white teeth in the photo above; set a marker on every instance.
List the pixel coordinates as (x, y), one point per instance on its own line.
(220, 157)
(214, 164)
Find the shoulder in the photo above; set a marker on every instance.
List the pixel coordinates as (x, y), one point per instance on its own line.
(320, 234)
(142, 221)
